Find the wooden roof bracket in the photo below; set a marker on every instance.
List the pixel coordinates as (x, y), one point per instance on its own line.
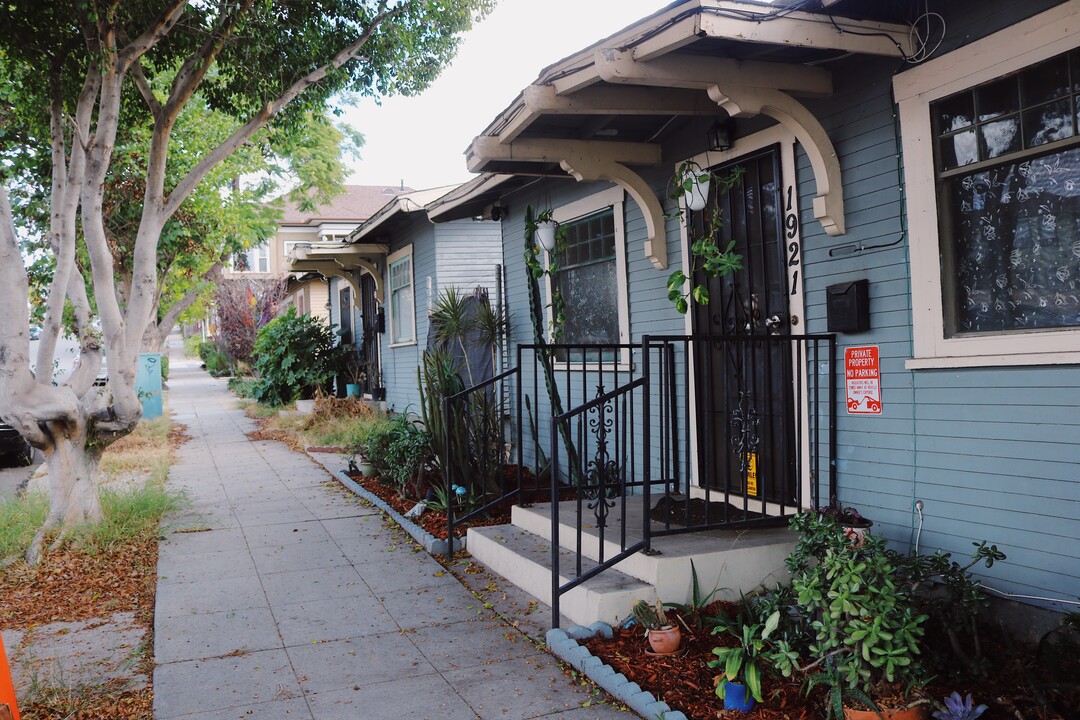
(589, 160)
(582, 168)
(742, 101)
(330, 268)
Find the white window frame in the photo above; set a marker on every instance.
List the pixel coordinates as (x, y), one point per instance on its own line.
(614, 198)
(253, 254)
(1038, 38)
(396, 257)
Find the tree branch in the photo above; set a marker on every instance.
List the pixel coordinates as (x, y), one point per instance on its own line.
(158, 29)
(187, 185)
(145, 90)
(190, 298)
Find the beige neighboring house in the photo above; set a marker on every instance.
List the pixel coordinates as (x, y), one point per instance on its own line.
(308, 291)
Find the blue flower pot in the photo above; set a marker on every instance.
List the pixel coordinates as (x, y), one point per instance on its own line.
(736, 697)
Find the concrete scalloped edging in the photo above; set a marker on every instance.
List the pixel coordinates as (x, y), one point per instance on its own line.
(434, 545)
(564, 645)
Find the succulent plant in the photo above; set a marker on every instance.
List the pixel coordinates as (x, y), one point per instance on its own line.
(648, 616)
(958, 708)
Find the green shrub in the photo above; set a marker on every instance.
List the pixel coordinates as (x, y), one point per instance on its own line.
(399, 450)
(206, 348)
(191, 345)
(164, 367)
(243, 387)
(295, 355)
(217, 363)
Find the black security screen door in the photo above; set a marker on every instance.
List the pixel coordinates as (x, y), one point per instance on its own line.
(370, 314)
(743, 372)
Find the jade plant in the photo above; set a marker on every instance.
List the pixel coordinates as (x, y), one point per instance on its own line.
(866, 626)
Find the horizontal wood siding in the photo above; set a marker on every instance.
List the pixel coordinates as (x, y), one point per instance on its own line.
(400, 364)
(993, 454)
(468, 253)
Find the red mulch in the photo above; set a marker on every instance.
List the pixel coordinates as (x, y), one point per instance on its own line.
(685, 681)
(433, 521)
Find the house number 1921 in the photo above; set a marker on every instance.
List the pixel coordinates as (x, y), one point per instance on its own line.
(791, 226)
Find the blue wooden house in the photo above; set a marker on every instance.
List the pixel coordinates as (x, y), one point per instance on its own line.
(384, 278)
(903, 335)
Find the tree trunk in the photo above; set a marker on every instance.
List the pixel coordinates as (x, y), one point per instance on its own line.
(73, 484)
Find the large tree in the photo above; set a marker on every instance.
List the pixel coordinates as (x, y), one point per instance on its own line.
(71, 68)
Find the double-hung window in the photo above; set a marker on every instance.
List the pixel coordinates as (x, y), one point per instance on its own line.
(992, 167)
(588, 289)
(254, 260)
(402, 303)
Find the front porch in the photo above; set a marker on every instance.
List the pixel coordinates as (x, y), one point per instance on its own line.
(695, 447)
(735, 561)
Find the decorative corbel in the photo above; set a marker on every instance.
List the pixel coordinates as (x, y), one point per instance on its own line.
(370, 269)
(741, 101)
(583, 168)
(330, 268)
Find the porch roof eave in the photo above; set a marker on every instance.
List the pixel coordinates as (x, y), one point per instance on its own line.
(405, 203)
(339, 260)
(645, 70)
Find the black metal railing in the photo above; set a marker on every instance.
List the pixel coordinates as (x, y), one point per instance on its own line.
(677, 434)
(511, 413)
(716, 432)
(479, 438)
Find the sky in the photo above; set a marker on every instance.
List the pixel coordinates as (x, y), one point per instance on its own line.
(421, 140)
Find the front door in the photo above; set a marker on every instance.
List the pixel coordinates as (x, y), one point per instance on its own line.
(746, 408)
(370, 326)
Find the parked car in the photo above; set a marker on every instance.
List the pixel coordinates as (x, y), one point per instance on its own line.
(35, 332)
(14, 450)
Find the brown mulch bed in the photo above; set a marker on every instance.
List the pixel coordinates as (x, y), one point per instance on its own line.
(432, 521)
(685, 682)
(69, 585)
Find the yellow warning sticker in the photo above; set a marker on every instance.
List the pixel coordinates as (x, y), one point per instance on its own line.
(751, 474)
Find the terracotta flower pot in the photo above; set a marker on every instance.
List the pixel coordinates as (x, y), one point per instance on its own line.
(666, 640)
(919, 712)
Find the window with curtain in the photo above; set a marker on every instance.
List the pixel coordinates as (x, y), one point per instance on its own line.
(1008, 165)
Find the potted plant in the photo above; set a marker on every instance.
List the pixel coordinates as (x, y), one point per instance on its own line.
(743, 663)
(355, 374)
(865, 628)
(546, 228)
(664, 637)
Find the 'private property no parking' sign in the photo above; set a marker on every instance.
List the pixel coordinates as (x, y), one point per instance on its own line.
(862, 380)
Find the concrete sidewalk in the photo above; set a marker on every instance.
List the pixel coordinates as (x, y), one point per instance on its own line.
(281, 597)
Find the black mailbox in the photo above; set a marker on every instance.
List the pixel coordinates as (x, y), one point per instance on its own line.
(848, 306)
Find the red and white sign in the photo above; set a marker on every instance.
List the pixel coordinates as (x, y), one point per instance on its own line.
(862, 380)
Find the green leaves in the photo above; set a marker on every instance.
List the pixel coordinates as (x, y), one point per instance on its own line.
(705, 254)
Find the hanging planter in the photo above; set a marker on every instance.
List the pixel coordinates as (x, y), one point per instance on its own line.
(695, 183)
(697, 195)
(545, 234)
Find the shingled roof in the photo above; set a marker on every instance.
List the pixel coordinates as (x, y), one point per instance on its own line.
(356, 203)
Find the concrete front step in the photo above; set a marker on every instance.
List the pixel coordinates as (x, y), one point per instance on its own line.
(524, 559)
(733, 561)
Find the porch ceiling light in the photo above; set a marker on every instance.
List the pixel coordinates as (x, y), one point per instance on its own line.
(719, 136)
